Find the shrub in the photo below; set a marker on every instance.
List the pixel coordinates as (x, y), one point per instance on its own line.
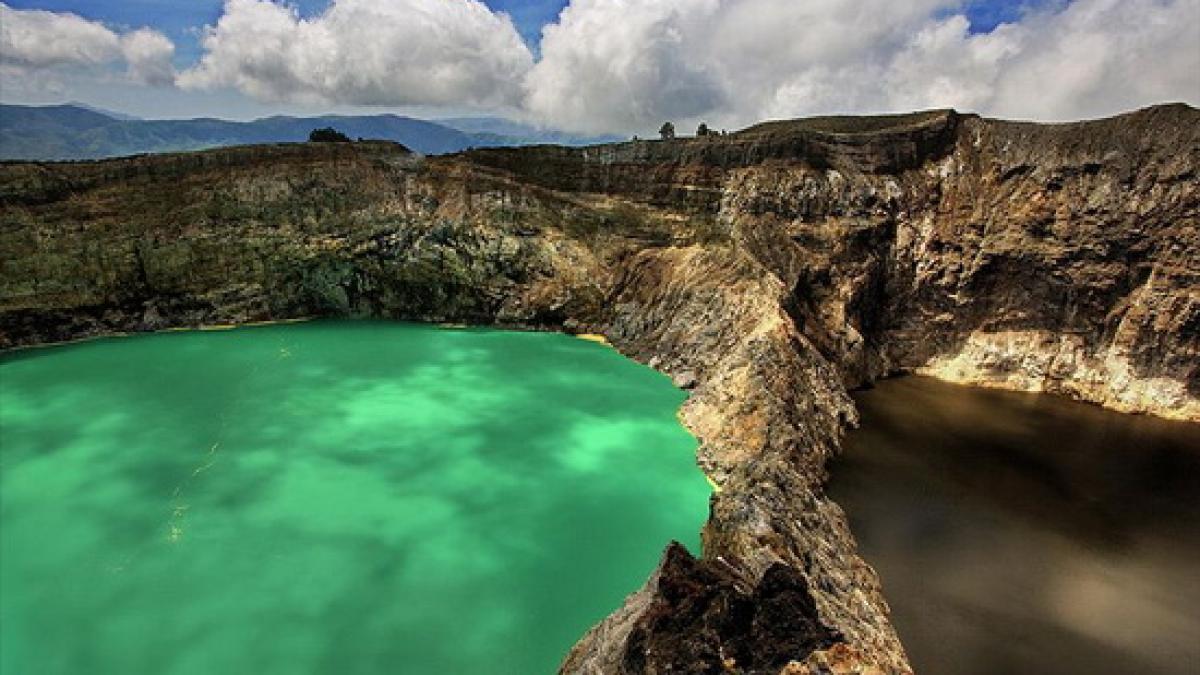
(328, 135)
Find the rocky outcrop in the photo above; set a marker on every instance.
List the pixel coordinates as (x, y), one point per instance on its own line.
(769, 271)
(696, 616)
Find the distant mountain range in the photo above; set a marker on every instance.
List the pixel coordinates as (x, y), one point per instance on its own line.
(68, 132)
(104, 111)
(525, 134)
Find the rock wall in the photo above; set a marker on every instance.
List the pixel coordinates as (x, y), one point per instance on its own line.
(769, 271)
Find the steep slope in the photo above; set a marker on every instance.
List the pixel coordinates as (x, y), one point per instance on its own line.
(768, 271)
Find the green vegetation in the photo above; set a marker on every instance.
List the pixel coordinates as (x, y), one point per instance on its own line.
(327, 135)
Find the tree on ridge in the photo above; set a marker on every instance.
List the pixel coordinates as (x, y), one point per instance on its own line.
(327, 135)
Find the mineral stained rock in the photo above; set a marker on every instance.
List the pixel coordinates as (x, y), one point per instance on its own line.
(768, 271)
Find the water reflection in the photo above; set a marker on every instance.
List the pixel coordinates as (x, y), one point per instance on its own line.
(1018, 533)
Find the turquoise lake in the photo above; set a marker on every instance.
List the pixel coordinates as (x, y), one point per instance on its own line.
(330, 497)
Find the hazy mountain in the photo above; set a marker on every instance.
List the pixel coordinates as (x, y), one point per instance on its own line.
(104, 111)
(526, 134)
(66, 132)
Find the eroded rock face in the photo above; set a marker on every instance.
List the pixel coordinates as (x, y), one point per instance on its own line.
(699, 620)
(769, 271)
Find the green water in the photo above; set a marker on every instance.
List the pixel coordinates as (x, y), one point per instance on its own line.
(329, 498)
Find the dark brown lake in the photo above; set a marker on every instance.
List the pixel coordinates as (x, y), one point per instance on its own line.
(1022, 533)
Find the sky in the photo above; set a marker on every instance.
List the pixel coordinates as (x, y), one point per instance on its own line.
(611, 66)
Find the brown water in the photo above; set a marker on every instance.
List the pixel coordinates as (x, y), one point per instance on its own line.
(1020, 533)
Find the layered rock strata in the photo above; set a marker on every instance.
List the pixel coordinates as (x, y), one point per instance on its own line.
(769, 271)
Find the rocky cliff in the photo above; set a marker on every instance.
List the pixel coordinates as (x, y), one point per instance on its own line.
(769, 271)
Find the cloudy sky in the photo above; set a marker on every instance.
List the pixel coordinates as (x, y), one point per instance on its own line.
(619, 66)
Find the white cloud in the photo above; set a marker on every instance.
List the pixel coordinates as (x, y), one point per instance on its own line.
(621, 64)
(365, 52)
(35, 41)
(1102, 56)
(629, 64)
(943, 66)
(148, 54)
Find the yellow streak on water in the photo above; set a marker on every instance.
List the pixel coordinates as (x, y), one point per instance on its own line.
(178, 508)
(713, 483)
(276, 322)
(593, 337)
